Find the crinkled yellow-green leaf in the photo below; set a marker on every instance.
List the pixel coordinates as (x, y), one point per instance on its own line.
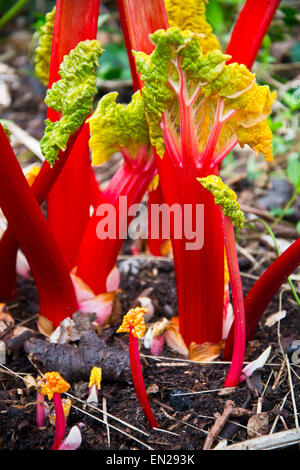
(178, 69)
(43, 51)
(72, 96)
(225, 197)
(114, 125)
(190, 14)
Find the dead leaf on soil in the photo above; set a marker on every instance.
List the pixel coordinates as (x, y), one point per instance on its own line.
(45, 326)
(205, 352)
(30, 382)
(275, 317)
(258, 425)
(175, 341)
(5, 316)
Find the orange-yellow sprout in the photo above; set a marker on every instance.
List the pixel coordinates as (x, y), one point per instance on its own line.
(54, 383)
(96, 377)
(66, 404)
(133, 322)
(32, 174)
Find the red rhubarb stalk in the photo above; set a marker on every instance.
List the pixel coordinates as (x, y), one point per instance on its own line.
(138, 20)
(134, 324)
(8, 244)
(234, 373)
(55, 288)
(97, 257)
(60, 428)
(68, 207)
(260, 295)
(249, 30)
(199, 271)
(155, 245)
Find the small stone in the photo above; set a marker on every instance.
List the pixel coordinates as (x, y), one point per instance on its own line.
(180, 402)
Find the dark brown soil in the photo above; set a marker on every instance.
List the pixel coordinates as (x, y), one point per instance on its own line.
(188, 426)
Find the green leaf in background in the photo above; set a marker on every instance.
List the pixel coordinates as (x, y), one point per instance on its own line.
(293, 170)
(114, 63)
(252, 169)
(295, 52)
(290, 15)
(215, 16)
(278, 211)
(298, 226)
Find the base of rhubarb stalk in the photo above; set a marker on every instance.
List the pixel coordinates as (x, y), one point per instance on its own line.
(199, 272)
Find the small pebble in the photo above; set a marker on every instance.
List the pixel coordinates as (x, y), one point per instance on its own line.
(180, 402)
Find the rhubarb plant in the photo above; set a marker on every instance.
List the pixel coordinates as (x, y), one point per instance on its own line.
(198, 108)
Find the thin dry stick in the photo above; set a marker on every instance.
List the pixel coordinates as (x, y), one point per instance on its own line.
(269, 442)
(292, 391)
(104, 403)
(278, 375)
(277, 417)
(188, 361)
(128, 425)
(185, 423)
(287, 364)
(229, 410)
(203, 391)
(113, 427)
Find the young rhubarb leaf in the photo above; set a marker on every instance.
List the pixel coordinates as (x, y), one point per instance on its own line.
(198, 107)
(190, 14)
(72, 96)
(225, 197)
(114, 126)
(43, 51)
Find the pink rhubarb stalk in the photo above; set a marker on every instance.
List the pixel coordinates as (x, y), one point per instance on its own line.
(134, 324)
(30, 228)
(40, 409)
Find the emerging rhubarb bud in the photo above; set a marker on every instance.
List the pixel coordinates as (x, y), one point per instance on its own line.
(94, 384)
(134, 324)
(225, 197)
(53, 385)
(43, 51)
(40, 404)
(72, 96)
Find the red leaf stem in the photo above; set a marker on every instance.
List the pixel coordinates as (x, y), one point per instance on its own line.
(138, 380)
